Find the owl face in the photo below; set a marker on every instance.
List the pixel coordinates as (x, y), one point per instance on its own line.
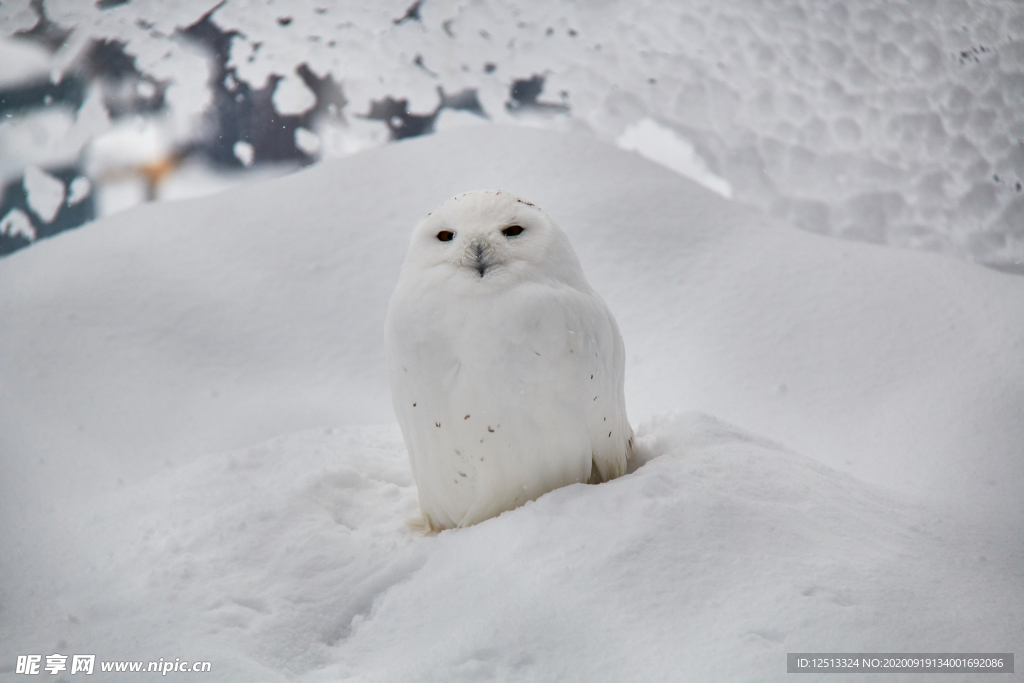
(492, 237)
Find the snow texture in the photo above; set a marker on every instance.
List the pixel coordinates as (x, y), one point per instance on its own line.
(891, 122)
(664, 147)
(78, 189)
(17, 222)
(22, 61)
(200, 458)
(43, 192)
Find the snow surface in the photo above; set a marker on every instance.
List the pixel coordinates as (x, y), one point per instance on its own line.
(17, 222)
(662, 146)
(43, 192)
(200, 461)
(22, 62)
(898, 122)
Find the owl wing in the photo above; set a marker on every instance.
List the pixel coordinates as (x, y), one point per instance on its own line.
(603, 359)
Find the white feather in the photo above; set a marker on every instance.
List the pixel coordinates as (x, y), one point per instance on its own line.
(506, 368)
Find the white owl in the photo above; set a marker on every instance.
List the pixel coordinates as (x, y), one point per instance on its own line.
(506, 368)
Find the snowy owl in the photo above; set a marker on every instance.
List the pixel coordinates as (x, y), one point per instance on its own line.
(506, 368)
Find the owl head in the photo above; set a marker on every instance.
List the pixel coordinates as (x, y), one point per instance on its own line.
(494, 239)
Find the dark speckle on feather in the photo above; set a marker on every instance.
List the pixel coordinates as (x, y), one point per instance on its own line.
(466, 418)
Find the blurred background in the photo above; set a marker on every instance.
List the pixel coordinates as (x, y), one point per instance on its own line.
(899, 123)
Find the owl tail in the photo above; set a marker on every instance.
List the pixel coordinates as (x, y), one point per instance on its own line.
(614, 469)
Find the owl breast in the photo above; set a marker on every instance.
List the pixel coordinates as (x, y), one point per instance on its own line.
(492, 395)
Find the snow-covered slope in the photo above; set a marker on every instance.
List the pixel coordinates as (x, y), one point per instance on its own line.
(135, 349)
(289, 561)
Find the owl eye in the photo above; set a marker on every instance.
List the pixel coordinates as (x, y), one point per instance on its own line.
(445, 235)
(512, 230)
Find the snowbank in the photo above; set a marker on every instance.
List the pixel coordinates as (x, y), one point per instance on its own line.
(289, 560)
(135, 351)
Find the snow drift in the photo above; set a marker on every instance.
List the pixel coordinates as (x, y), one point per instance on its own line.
(137, 350)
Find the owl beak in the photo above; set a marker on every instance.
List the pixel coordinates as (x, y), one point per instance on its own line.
(477, 257)
(481, 263)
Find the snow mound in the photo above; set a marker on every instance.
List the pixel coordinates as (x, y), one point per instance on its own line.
(260, 312)
(723, 551)
(138, 352)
